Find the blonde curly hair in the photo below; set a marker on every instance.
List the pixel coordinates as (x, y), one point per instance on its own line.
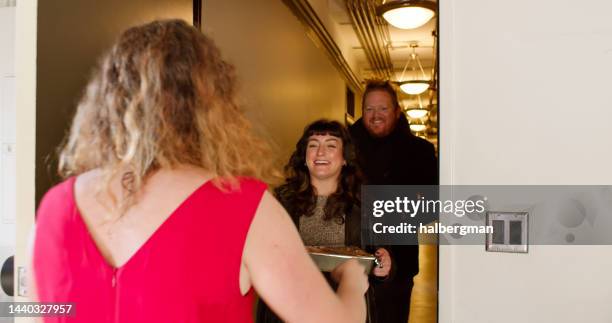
(162, 97)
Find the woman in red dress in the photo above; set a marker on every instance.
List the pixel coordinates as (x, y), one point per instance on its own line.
(164, 215)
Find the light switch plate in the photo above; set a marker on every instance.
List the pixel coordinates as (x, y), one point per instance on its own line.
(22, 284)
(510, 232)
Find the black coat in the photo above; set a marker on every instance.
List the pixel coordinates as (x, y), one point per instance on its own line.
(400, 158)
(397, 159)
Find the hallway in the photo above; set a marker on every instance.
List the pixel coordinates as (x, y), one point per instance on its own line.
(424, 300)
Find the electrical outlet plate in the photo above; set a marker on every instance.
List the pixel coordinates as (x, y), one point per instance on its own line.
(510, 232)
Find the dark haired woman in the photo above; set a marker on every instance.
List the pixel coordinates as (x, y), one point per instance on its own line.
(321, 194)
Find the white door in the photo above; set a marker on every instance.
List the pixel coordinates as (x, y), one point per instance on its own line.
(525, 98)
(7, 151)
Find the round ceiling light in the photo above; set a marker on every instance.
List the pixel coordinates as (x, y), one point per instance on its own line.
(418, 127)
(414, 87)
(407, 14)
(416, 113)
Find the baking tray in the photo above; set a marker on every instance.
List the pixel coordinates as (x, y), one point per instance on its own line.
(328, 260)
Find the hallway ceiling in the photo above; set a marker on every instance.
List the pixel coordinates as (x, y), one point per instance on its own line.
(398, 44)
(392, 47)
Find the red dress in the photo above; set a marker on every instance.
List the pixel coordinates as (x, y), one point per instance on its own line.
(188, 270)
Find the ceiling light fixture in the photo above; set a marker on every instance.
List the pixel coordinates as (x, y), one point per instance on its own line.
(414, 87)
(419, 83)
(407, 14)
(417, 127)
(417, 112)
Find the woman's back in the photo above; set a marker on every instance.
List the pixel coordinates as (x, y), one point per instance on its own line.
(161, 98)
(153, 265)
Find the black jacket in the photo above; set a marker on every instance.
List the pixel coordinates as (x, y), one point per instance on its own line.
(400, 158)
(397, 159)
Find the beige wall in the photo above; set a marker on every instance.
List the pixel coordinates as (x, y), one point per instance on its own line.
(507, 117)
(72, 34)
(285, 81)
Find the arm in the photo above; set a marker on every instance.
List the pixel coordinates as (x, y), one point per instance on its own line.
(287, 279)
(32, 295)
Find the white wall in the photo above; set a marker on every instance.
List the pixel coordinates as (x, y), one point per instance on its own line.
(7, 137)
(507, 113)
(25, 71)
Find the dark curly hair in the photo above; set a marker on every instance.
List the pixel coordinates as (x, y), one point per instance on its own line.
(297, 193)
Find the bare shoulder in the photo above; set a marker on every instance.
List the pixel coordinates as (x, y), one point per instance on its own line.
(181, 176)
(88, 191)
(271, 227)
(162, 190)
(86, 181)
(270, 208)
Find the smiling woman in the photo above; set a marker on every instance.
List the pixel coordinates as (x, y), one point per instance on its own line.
(321, 194)
(323, 164)
(324, 161)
